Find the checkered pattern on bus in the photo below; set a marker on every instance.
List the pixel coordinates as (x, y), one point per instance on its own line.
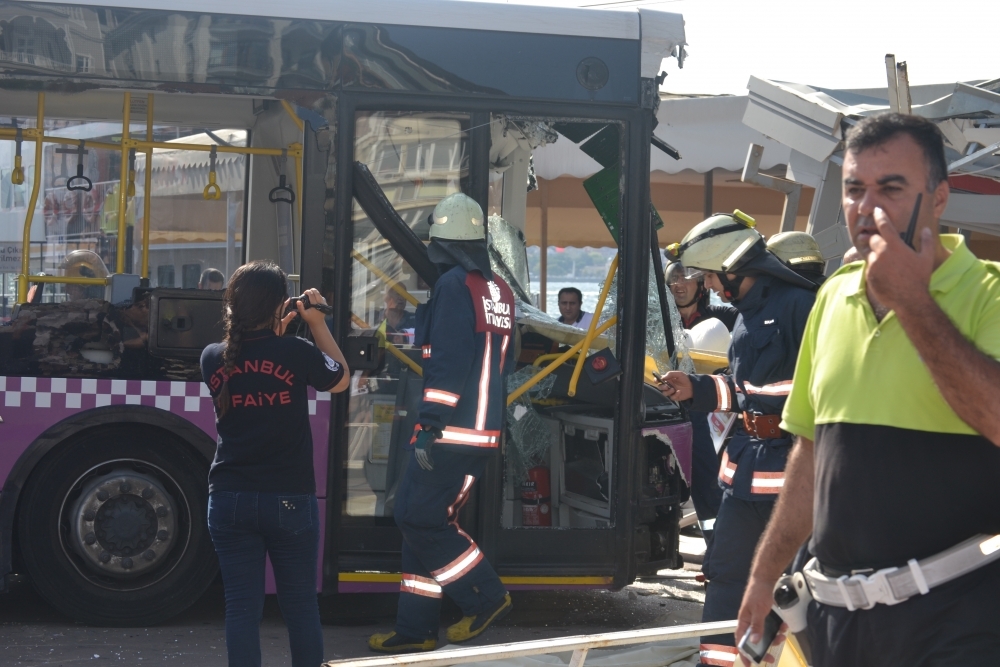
(86, 393)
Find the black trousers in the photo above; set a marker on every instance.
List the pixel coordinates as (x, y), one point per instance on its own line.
(956, 624)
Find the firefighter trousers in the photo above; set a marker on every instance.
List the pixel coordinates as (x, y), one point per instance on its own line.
(737, 531)
(438, 556)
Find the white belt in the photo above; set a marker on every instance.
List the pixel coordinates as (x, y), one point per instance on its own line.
(897, 584)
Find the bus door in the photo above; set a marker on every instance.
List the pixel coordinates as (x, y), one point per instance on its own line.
(581, 499)
(547, 513)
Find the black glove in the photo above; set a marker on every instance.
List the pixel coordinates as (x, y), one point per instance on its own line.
(422, 447)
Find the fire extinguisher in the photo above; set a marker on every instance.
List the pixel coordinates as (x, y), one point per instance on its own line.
(536, 501)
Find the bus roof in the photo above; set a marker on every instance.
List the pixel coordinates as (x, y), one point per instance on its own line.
(615, 24)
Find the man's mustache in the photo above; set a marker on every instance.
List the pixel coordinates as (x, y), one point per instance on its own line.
(866, 222)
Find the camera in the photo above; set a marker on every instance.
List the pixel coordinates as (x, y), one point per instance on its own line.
(293, 308)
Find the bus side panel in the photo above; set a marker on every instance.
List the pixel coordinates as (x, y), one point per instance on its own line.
(30, 406)
(33, 405)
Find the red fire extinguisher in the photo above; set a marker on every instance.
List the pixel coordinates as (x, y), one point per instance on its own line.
(536, 501)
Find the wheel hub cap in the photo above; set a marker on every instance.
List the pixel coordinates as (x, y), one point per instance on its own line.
(123, 523)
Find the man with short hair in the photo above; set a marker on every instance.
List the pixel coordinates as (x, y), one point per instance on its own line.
(212, 279)
(570, 308)
(894, 404)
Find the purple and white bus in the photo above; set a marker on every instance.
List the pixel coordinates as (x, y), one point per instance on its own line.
(142, 148)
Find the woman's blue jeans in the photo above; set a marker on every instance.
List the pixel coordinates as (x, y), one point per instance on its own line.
(245, 526)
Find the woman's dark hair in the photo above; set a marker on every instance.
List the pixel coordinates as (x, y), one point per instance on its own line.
(250, 303)
(875, 131)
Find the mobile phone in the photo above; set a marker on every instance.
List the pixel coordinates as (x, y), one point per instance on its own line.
(757, 651)
(911, 230)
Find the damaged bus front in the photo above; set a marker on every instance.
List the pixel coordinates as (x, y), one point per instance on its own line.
(133, 164)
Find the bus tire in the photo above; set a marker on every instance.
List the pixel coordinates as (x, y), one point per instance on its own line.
(112, 526)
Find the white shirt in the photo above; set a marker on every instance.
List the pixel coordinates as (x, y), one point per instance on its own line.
(584, 322)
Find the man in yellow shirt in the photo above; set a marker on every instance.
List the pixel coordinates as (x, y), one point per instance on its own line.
(896, 405)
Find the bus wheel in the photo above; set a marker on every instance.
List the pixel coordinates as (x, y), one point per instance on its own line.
(112, 526)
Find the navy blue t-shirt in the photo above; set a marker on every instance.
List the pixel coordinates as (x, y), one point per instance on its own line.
(264, 442)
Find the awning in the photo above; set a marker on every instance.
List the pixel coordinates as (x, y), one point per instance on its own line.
(813, 121)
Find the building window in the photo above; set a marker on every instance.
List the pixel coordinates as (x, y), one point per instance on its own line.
(165, 275)
(83, 64)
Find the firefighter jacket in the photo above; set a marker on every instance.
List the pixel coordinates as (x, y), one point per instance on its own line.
(762, 358)
(466, 333)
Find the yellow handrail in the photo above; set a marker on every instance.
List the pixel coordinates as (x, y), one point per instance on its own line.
(32, 133)
(37, 134)
(396, 352)
(558, 362)
(294, 116)
(381, 275)
(147, 197)
(67, 280)
(22, 280)
(123, 188)
(294, 149)
(589, 338)
(391, 347)
(542, 358)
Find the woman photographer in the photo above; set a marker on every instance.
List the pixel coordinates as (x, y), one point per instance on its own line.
(262, 488)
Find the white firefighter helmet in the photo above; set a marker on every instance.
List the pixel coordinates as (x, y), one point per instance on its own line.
(721, 244)
(710, 335)
(458, 217)
(84, 264)
(795, 248)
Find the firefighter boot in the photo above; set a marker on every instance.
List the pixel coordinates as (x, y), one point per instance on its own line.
(390, 642)
(473, 626)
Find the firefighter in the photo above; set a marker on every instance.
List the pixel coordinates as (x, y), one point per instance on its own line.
(84, 264)
(466, 335)
(692, 300)
(800, 252)
(774, 303)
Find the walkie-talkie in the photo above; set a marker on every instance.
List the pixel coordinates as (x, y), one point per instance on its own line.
(908, 235)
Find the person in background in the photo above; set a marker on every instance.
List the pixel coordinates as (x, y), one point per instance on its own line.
(570, 308)
(212, 279)
(692, 298)
(262, 486)
(800, 252)
(84, 264)
(397, 319)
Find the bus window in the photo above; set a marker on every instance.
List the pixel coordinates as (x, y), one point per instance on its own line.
(187, 233)
(417, 159)
(77, 216)
(559, 456)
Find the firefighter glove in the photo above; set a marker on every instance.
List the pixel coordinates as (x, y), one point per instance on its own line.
(422, 448)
